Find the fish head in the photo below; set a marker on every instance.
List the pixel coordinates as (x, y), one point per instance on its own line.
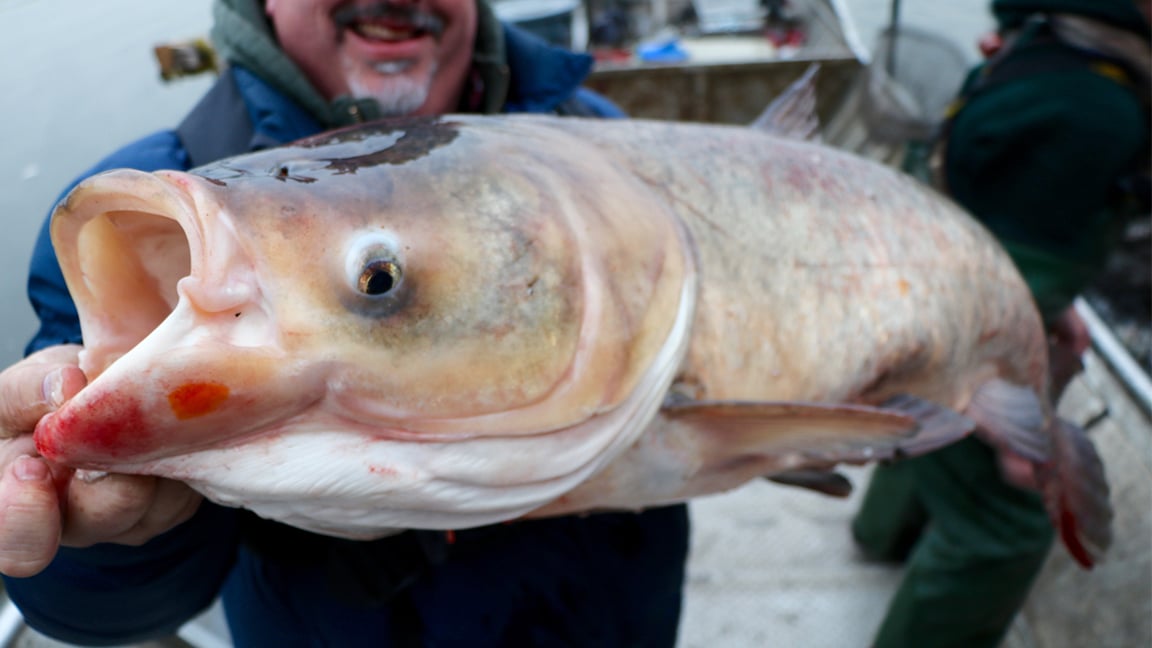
(431, 282)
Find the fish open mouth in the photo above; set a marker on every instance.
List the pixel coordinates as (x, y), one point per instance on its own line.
(140, 249)
(386, 22)
(178, 349)
(123, 252)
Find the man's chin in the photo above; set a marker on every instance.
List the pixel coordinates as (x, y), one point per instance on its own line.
(396, 95)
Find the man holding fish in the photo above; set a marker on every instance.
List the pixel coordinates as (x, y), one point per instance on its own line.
(119, 558)
(435, 324)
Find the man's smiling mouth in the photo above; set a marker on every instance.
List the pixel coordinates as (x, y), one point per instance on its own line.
(385, 22)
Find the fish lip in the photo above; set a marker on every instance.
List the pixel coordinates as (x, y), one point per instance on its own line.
(126, 419)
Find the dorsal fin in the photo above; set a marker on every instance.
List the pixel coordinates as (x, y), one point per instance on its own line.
(793, 113)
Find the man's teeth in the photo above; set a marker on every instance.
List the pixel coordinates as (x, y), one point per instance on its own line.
(380, 32)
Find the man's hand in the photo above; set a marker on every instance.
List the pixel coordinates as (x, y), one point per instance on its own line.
(44, 506)
(1068, 339)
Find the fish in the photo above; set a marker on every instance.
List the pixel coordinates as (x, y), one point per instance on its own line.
(441, 323)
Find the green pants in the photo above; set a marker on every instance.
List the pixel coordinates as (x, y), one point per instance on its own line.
(973, 544)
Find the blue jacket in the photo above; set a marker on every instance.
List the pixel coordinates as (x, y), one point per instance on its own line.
(603, 580)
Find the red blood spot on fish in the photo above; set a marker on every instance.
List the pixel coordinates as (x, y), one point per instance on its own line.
(108, 426)
(196, 399)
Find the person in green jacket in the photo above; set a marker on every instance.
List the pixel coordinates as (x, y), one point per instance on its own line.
(1045, 146)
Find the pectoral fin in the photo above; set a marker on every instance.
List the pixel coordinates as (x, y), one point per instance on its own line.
(698, 448)
(936, 427)
(818, 435)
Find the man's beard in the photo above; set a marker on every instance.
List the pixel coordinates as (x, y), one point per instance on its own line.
(398, 93)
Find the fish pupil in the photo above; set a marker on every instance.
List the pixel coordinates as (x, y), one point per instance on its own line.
(378, 278)
(379, 283)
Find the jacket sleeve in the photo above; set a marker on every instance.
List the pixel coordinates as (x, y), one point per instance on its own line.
(597, 104)
(114, 594)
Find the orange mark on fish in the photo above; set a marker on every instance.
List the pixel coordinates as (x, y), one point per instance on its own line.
(904, 287)
(197, 399)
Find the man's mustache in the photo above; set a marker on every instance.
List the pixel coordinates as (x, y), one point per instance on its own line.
(401, 15)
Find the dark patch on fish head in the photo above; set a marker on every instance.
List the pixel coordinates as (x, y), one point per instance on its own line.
(417, 138)
(339, 152)
(290, 170)
(220, 173)
(285, 172)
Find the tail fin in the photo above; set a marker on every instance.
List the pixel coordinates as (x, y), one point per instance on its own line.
(1065, 465)
(1077, 495)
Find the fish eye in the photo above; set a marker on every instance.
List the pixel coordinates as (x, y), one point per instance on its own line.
(373, 265)
(378, 277)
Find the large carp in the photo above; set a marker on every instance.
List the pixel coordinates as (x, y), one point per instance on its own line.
(440, 323)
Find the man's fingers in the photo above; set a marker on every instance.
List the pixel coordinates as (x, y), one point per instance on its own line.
(1070, 331)
(36, 386)
(174, 502)
(102, 510)
(29, 517)
(125, 509)
(1019, 471)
